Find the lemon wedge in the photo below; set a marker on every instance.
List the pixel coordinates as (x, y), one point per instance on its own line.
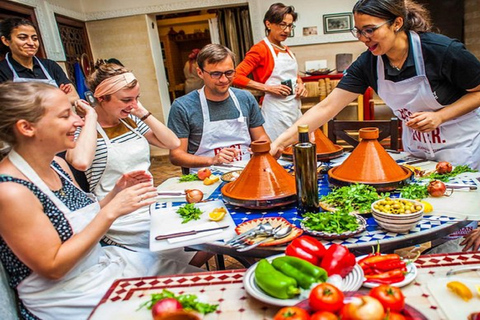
(210, 180)
(460, 289)
(217, 214)
(427, 206)
(477, 286)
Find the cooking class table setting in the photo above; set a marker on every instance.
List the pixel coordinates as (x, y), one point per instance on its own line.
(218, 220)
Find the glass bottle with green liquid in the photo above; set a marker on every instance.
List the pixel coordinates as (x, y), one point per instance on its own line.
(306, 179)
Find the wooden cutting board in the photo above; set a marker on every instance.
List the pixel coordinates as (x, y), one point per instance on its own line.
(451, 304)
(174, 184)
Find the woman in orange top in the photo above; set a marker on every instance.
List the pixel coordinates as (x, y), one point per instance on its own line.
(275, 72)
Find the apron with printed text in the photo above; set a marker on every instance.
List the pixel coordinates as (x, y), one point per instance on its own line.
(456, 140)
(16, 77)
(280, 113)
(228, 133)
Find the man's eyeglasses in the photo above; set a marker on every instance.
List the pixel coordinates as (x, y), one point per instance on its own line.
(284, 26)
(367, 32)
(218, 74)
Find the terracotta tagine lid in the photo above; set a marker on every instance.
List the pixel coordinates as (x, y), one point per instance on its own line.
(263, 183)
(326, 150)
(370, 164)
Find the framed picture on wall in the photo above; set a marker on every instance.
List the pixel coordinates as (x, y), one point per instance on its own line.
(338, 22)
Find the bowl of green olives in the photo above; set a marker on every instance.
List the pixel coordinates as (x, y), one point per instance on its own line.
(397, 214)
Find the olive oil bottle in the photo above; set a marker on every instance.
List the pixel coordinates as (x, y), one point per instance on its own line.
(306, 179)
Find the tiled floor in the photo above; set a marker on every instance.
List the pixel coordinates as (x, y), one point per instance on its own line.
(162, 169)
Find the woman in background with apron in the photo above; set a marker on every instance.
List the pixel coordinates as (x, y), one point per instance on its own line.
(275, 72)
(49, 228)
(431, 83)
(19, 37)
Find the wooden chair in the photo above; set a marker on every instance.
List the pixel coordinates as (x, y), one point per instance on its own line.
(346, 132)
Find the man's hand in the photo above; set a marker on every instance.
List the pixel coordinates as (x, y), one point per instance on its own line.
(226, 155)
(424, 121)
(472, 240)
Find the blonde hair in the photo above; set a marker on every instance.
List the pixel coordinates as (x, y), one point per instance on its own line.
(20, 101)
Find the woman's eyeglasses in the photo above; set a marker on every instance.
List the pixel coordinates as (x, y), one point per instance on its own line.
(367, 32)
(285, 26)
(218, 74)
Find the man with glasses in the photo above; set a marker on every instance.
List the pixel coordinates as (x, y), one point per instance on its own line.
(215, 124)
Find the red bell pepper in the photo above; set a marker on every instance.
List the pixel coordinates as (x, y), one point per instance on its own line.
(338, 260)
(306, 248)
(388, 265)
(389, 277)
(377, 258)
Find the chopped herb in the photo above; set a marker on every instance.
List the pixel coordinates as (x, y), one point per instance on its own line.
(189, 177)
(189, 212)
(446, 176)
(358, 197)
(189, 302)
(337, 222)
(414, 191)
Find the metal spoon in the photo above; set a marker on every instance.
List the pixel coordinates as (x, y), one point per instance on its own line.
(264, 229)
(279, 234)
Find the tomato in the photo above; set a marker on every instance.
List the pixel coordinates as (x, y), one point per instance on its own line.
(326, 297)
(394, 316)
(389, 296)
(165, 306)
(204, 173)
(363, 308)
(436, 188)
(292, 313)
(444, 167)
(323, 315)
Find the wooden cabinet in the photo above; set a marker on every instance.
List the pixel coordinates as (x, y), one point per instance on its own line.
(175, 50)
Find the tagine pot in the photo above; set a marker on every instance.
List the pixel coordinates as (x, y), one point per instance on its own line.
(370, 164)
(326, 149)
(262, 184)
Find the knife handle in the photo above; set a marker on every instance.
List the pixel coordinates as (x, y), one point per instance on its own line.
(174, 235)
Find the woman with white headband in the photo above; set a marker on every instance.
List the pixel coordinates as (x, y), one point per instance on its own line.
(123, 132)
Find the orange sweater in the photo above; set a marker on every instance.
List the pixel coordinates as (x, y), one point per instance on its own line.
(258, 61)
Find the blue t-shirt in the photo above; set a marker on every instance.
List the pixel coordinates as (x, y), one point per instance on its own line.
(186, 118)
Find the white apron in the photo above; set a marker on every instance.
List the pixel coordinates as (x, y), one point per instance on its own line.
(75, 295)
(16, 77)
(456, 141)
(131, 230)
(229, 133)
(280, 113)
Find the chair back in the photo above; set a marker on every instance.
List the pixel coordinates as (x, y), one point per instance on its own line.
(347, 131)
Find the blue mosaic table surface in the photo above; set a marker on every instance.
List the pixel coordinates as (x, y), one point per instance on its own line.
(371, 236)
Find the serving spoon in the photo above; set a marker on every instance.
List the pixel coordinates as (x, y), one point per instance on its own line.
(278, 234)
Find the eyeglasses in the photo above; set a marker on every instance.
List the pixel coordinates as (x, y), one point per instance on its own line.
(284, 26)
(367, 32)
(218, 74)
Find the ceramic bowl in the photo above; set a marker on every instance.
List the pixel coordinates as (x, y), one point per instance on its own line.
(397, 222)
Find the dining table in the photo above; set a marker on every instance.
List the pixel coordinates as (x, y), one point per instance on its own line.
(449, 215)
(427, 293)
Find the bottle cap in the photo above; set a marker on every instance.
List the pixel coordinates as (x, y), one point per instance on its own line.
(303, 128)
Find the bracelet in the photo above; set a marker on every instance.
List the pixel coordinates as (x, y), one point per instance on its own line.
(146, 116)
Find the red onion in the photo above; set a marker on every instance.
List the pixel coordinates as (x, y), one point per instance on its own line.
(165, 306)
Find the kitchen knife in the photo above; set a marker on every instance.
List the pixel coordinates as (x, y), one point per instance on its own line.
(186, 233)
(171, 193)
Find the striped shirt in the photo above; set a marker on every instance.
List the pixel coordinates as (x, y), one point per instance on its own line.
(118, 134)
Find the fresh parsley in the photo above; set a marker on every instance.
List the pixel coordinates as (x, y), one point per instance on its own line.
(414, 191)
(358, 197)
(446, 176)
(337, 222)
(189, 212)
(189, 177)
(189, 302)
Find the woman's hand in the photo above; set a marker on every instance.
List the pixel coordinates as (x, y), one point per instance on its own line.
(472, 240)
(424, 121)
(139, 111)
(300, 90)
(131, 199)
(276, 150)
(279, 90)
(66, 87)
(132, 178)
(83, 108)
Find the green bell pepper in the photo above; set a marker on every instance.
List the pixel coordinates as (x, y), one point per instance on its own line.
(302, 271)
(275, 283)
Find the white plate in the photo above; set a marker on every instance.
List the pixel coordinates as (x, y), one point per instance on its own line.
(409, 277)
(352, 282)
